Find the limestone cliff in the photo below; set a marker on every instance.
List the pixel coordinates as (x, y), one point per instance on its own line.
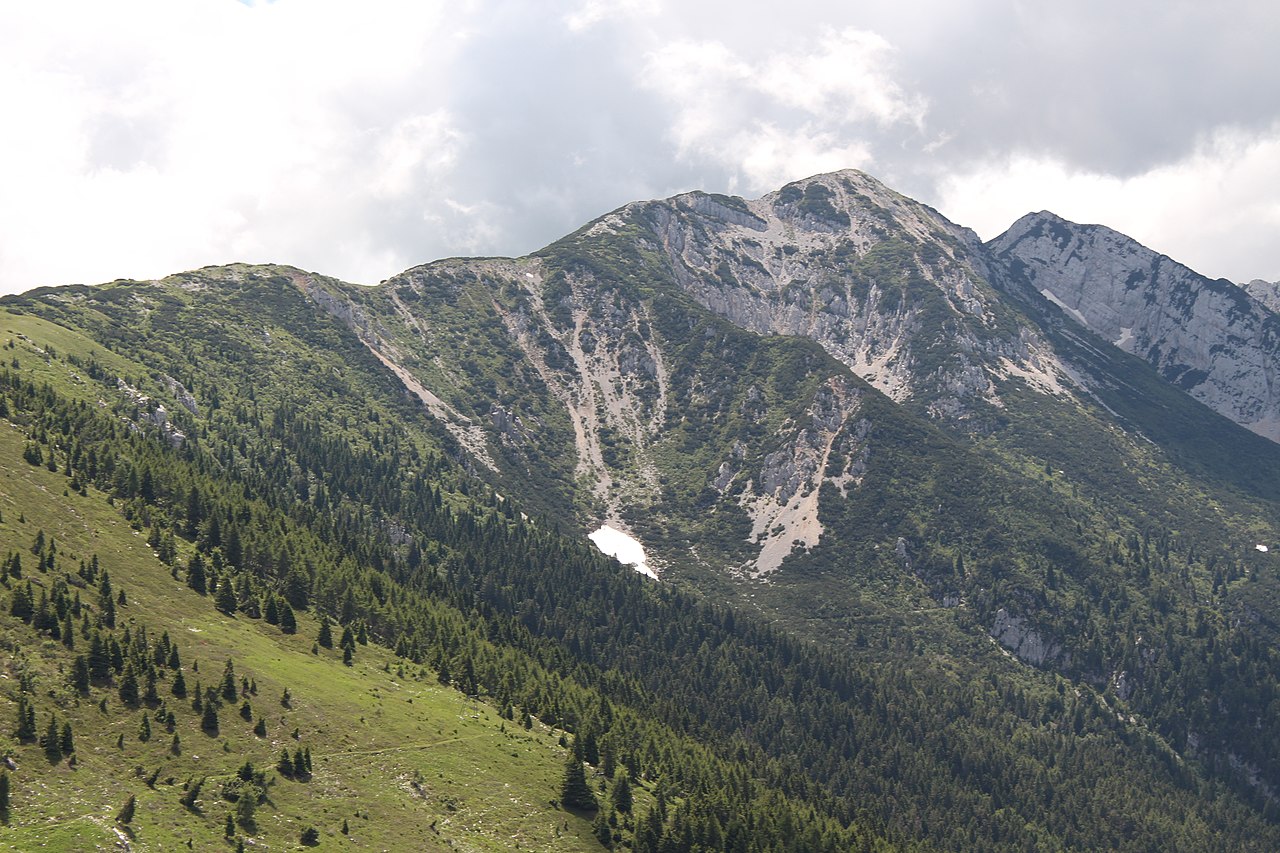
(1213, 339)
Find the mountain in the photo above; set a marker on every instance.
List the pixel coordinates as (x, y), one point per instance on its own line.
(939, 563)
(1210, 338)
(1266, 292)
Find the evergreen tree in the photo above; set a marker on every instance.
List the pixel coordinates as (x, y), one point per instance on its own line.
(225, 599)
(209, 718)
(125, 815)
(4, 795)
(196, 575)
(51, 740)
(80, 674)
(288, 622)
(325, 638)
(192, 793)
(575, 794)
(285, 765)
(602, 831)
(21, 605)
(128, 685)
(228, 690)
(621, 797)
(26, 728)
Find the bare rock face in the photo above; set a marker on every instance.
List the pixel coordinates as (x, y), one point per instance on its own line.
(886, 285)
(1266, 292)
(1025, 642)
(1215, 340)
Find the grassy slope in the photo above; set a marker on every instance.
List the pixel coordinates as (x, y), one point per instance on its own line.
(407, 763)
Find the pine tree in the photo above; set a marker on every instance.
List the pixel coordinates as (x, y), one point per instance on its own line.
(80, 674)
(602, 831)
(192, 793)
(225, 599)
(209, 718)
(288, 622)
(51, 741)
(325, 637)
(195, 574)
(126, 812)
(575, 794)
(22, 606)
(299, 764)
(4, 796)
(621, 796)
(229, 682)
(129, 685)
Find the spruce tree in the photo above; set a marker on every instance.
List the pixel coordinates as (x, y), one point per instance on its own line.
(209, 718)
(225, 599)
(229, 682)
(621, 797)
(126, 812)
(80, 674)
(129, 685)
(325, 637)
(288, 622)
(575, 794)
(195, 574)
(4, 796)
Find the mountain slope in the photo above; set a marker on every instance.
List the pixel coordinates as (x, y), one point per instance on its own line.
(709, 373)
(638, 342)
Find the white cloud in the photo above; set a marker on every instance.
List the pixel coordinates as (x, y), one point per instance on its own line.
(142, 137)
(207, 132)
(784, 115)
(1215, 210)
(593, 12)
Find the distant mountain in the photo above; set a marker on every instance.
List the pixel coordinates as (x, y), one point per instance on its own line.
(1266, 292)
(1215, 340)
(997, 503)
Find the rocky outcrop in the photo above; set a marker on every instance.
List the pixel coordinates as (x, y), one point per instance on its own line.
(1025, 642)
(1266, 292)
(1210, 338)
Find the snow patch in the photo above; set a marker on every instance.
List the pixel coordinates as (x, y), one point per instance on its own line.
(1126, 336)
(1048, 294)
(612, 542)
(1262, 548)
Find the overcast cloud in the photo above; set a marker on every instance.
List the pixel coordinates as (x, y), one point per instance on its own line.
(143, 137)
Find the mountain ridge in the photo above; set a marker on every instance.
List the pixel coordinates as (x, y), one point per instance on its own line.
(828, 406)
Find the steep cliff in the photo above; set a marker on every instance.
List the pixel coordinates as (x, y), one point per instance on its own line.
(1210, 338)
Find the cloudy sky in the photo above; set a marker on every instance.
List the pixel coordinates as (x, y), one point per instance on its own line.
(143, 137)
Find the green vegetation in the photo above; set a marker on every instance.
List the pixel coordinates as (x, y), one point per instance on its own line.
(289, 606)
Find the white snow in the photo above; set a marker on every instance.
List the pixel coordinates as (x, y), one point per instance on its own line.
(623, 548)
(1126, 335)
(1262, 548)
(1048, 294)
